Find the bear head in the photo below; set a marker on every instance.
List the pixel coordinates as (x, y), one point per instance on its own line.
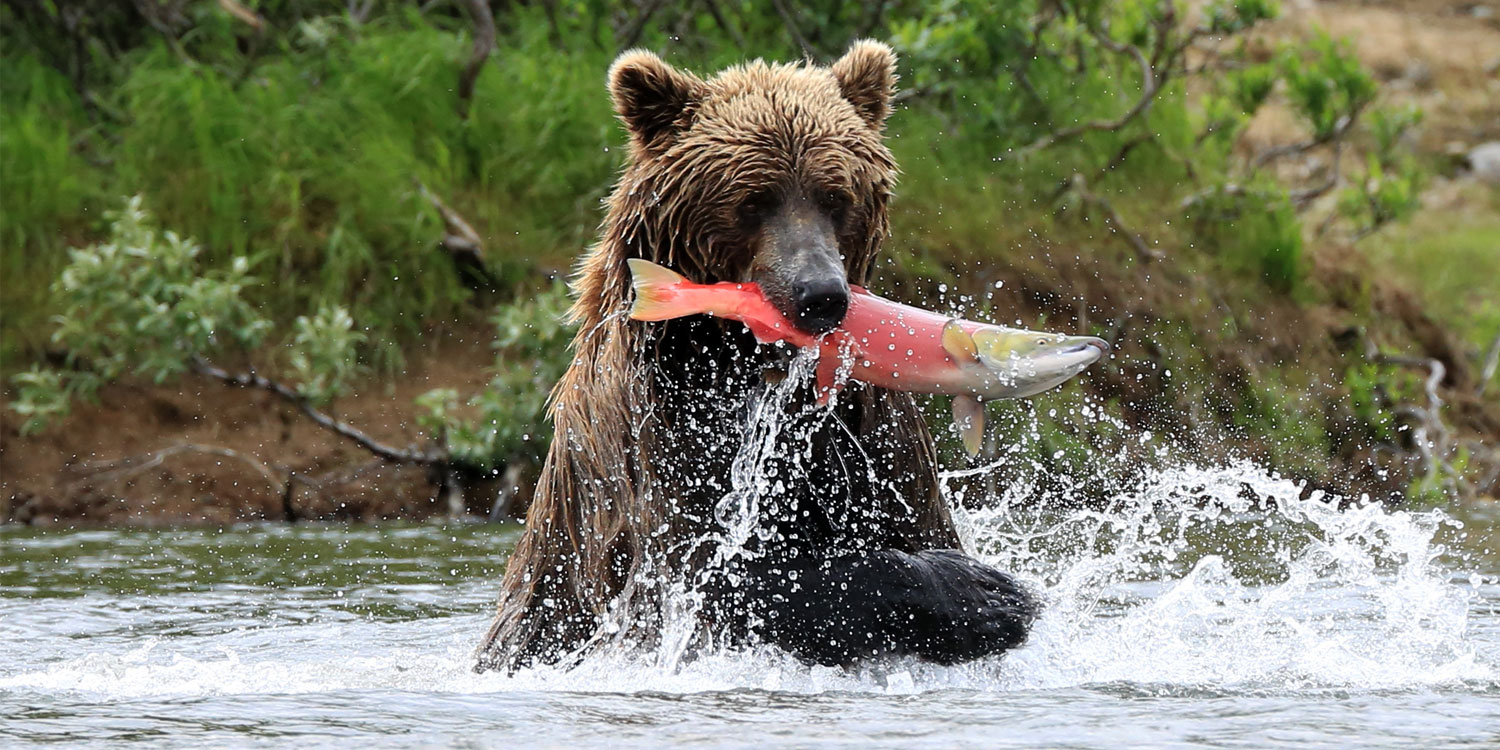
(776, 174)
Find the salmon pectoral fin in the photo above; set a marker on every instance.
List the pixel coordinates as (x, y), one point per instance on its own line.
(829, 384)
(968, 416)
(959, 344)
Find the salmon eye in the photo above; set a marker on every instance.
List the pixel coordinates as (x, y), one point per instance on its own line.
(1041, 342)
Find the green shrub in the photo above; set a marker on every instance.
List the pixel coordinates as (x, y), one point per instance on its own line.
(143, 303)
(1252, 230)
(138, 304)
(1326, 84)
(506, 422)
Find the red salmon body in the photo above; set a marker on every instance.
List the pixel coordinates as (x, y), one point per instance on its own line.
(887, 344)
(894, 346)
(879, 342)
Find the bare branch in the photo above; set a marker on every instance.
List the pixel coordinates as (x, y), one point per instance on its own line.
(724, 25)
(1112, 219)
(250, 17)
(791, 28)
(877, 14)
(1151, 80)
(461, 239)
(254, 380)
(484, 45)
(462, 244)
(359, 11)
(1431, 437)
(167, 19)
(510, 486)
(1290, 149)
(1301, 199)
(637, 27)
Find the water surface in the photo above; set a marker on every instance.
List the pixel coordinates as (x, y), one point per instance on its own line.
(1209, 608)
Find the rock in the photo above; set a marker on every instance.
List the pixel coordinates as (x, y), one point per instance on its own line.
(1484, 159)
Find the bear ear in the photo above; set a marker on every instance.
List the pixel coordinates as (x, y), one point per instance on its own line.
(867, 76)
(650, 97)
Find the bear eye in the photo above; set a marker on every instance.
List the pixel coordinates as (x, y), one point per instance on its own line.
(756, 208)
(836, 203)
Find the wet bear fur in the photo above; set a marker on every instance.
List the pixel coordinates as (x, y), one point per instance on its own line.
(741, 177)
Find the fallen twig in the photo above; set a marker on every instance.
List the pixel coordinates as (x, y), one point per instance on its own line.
(132, 465)
(129, 466)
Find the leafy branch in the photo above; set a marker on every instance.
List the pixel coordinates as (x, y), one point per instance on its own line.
(1153, 75)
(140, 305)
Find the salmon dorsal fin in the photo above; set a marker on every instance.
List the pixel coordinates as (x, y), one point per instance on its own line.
(959, 344)
(968, 416)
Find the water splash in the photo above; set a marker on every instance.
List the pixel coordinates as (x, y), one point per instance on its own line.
(1193, 578)
(772, 412)
(1229, 577)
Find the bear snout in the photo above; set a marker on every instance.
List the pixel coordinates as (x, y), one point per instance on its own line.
(821, 304)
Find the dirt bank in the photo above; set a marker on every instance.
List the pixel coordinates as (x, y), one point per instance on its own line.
(204, 453)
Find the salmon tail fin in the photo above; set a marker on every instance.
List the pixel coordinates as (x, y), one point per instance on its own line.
(656, 290)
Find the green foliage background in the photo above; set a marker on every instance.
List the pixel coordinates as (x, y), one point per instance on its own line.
(300, 147)
(292, 155)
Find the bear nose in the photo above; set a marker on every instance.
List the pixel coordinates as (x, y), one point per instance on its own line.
(820, 304)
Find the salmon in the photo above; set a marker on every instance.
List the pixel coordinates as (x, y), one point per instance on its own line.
(887, 344)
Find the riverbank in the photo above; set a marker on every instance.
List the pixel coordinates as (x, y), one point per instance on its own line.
(1246, 328)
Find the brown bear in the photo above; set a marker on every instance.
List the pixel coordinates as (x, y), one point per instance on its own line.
(776, 174)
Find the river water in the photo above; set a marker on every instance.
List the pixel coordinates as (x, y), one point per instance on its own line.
(1205, 608)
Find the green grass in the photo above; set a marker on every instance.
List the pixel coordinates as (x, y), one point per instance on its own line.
(49, 197)
(1453, 260)
(309, 163)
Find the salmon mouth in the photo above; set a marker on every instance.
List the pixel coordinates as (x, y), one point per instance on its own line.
(1026, 374)
(1079, 354)
(1085, 352)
